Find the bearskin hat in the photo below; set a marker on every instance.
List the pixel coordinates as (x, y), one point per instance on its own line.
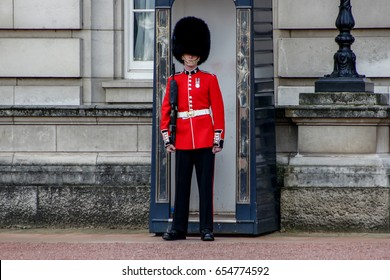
(191, 35)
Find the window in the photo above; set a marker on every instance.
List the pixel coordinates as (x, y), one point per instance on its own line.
(139, 39)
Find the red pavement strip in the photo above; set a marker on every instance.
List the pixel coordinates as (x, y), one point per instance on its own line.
(44, 244)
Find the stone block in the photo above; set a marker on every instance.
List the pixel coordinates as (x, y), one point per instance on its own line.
(289, 95)
(118, 54)
(6, 159)
(318, 14)
(102, 53)
(102, 15)
(6, 14)
(91, 206)
(97, 94)
(383, 138)
(53, 159)
(129, 90)
(315, 61)
(41, 57)
(129, 95)
(373, 57)
(6, 95)
(91, 138)
(123, 175)
(343, 98)
(74, 190)
(50, 175)
(48, 95)
(119, 7)
(137, 158)
(74, 169)
(286, 138)
(144, 138)
(47, 14)
(335, 193)
(31, 138)
(337, 139)
(343, 171)
(336, 113)
(74, 206)
(18, 205)
(335, 209)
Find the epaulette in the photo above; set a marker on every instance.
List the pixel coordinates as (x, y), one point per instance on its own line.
(177, 73)
(206, 72)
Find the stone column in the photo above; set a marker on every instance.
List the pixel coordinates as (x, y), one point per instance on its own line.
(338, 179)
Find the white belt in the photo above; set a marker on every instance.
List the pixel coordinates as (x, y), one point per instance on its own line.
(193, 113)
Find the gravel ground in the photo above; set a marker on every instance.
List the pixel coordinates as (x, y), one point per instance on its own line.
(122, 245)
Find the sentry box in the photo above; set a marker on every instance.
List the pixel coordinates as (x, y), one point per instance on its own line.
(246, 196)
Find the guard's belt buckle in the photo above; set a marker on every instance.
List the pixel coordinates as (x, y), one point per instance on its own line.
(190, 114)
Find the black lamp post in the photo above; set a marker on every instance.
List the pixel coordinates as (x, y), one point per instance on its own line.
(344, 77)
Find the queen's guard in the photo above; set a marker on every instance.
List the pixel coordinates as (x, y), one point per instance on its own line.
(199, 127)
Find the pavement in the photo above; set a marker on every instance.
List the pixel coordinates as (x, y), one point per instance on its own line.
(95, 244)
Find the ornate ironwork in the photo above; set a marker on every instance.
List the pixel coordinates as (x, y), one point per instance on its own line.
(344, 77)
(344, 58)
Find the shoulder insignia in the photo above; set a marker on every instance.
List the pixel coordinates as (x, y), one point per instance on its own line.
(206, 72)
(177, 73)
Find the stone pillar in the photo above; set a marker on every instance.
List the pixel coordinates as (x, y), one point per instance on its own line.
(338, 179)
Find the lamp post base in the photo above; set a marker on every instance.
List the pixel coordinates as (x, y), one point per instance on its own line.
(343, 84)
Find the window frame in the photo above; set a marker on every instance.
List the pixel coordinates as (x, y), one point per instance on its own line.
(134, 69)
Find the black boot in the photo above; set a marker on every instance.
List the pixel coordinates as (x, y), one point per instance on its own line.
(174, 235)
(207, 235)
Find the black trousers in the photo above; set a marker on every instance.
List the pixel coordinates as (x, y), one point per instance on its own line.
(203, 160)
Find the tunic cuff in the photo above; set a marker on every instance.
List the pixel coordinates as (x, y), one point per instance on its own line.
(166, 138)
(218, 141)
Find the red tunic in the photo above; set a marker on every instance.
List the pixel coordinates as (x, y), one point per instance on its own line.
(197, 90)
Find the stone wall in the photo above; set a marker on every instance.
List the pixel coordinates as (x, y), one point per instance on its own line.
(56, 52)
(86, 166)
(305, 34)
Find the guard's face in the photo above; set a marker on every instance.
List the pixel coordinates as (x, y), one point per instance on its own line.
(190, 60)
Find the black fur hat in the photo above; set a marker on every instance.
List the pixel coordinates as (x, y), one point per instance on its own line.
(191, 35)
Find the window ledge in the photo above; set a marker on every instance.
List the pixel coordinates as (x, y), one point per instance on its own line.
(128, 84)
(128, 91)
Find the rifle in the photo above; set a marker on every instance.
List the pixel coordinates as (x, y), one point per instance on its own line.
(173, 102)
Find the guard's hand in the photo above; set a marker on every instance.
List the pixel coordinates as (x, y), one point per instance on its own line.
(216, 150)
(170, 148)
